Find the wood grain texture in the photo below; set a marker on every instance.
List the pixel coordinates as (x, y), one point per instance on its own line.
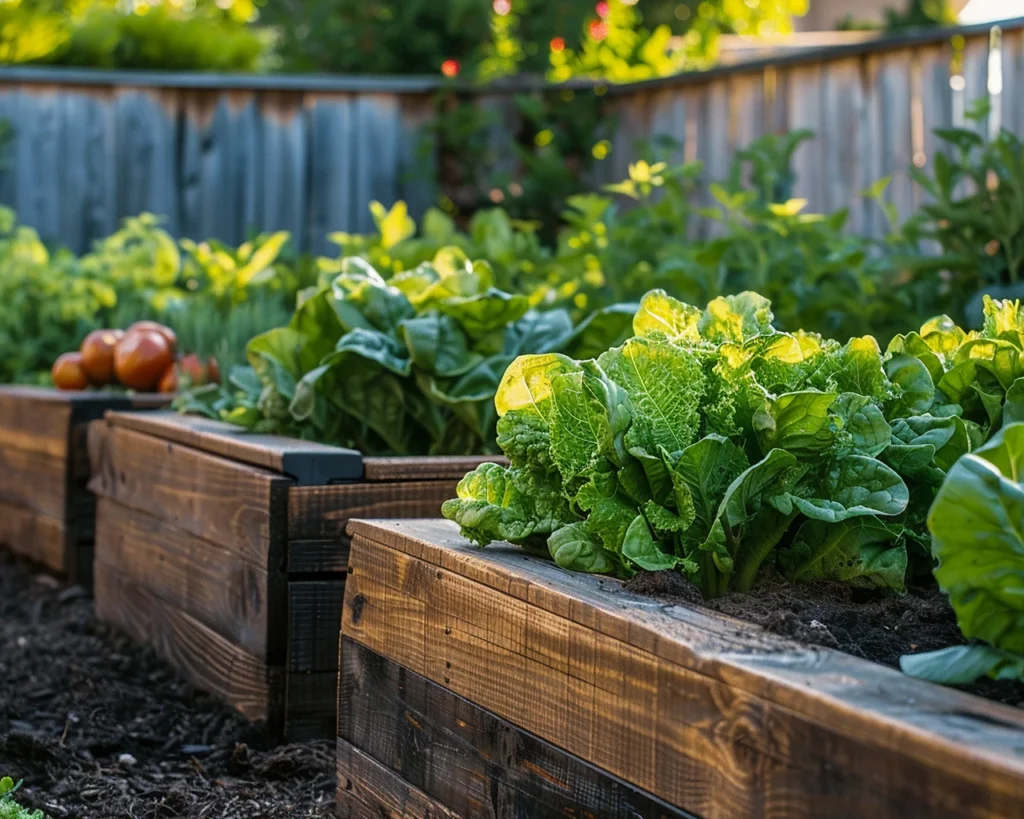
(368, 790)
(316, 556)
(467, 758)
(322, 512)
(203, 656)
(712, 715)
(240, 507)
(237, 599)
(34, 479)
(422, 468)
(42, 539)
(31, 419)
(314, 623)
(311, 706)
(308, 462)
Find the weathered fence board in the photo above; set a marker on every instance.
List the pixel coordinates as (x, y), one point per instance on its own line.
(221, 156)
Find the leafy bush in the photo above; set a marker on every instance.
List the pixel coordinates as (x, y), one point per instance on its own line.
(713, 443)
(158, 36)
(404, 366)
(9, 809)
(979, 551)
(50, 301)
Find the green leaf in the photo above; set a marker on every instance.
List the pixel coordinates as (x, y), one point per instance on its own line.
(378, 347)
(915, 388)
(485, 312)
(862, 427)
(798, 422)
(394, 225)
(978, 540)
(854, 485)
(736, 318)
(497, 503)
(538, 332)
(661, 315)
(862, 551)
(963, 665)
(642, 549)
(437, 345)
(665, 386)
(573, 547)
(602, 329)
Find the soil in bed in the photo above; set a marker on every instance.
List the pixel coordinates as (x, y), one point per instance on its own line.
(99, 728)
(874, 625)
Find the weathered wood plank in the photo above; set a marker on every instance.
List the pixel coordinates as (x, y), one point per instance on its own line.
(203, 656)
(319, 556)
(221, 501)
(240, 601)
(368, 790)
(707, 713)
(322, 512)
(40, 538)
(147, 159)
(34, 480)
(311, 706)
(33, 421)
(467, 758)
(422, 468)
(314, 623)
(309, 463)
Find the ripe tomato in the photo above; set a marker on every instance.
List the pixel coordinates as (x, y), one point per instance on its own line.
(141, 359)
(98, 355)
(169, 381)
(166, 332)
(213, 370)
(192, 370)
(68, 373)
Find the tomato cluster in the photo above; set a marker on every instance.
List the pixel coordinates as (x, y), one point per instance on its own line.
(143, 358)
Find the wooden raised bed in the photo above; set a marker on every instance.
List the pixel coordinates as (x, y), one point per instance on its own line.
(490, 683)
(46, 513)
(227, 552)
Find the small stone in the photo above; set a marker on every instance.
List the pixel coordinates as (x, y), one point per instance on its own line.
(126, 760)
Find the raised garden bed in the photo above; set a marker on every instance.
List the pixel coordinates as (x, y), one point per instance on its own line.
(227, 552)
(480, 683)
(46, 513)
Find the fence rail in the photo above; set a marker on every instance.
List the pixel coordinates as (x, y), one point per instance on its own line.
(221, 155)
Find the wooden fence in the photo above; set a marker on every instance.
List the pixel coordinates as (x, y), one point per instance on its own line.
(223, 155)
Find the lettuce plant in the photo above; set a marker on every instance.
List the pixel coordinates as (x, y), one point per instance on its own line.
(405, 366)
(712, 443)
(978, 544)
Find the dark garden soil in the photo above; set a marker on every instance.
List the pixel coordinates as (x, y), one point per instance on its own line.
(875, 625)
(99, 728)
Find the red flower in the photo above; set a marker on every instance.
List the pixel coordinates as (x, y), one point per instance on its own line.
(602, 9)
(557, 44)
(598, 29)
(450, 68)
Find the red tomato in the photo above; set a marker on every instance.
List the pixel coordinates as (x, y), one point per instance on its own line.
(141, 359)
(169, 381)
(166, 332)
(213, 370)
(98, 355)
(192, 370)
(68, 373)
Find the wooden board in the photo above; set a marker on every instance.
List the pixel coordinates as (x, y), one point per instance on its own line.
(709, 714)
(308, 463)
(314, 622)
(239, 600)
(40, 538)
(232, 504)
(212, 662)
(419, 468)
(466, 758)
(323, 512)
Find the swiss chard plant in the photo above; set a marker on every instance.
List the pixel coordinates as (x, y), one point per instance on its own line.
(9, 808)
(978, 545)
(408, 365)
(712, 443)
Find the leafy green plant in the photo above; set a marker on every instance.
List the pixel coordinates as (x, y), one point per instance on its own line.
(9, 809)
(975, 215)
(405, 366)
(978, 546)
(713, 443)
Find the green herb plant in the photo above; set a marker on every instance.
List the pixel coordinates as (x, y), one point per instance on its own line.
(9, 809)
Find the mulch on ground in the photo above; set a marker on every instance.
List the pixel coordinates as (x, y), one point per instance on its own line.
(98, 727)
